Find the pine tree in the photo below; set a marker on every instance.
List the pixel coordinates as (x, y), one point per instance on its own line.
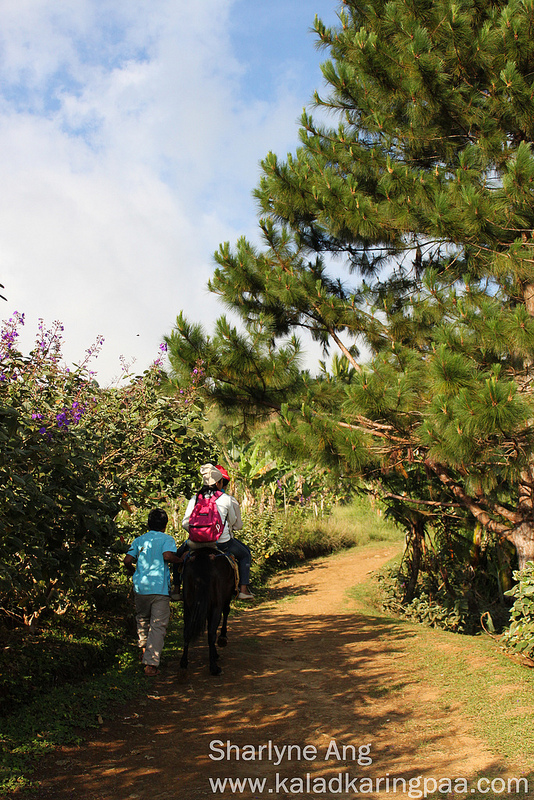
(424, 192)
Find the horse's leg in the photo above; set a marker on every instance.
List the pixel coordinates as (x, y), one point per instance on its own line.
(184, 659)
(226, 590)
(213, 623)
(222, 641)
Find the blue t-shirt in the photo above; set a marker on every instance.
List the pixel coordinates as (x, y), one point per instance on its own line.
(152, 574)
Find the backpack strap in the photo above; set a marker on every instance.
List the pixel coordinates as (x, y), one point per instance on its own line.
(216, 495)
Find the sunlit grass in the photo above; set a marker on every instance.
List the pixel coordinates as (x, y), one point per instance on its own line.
(495, 693)
(351, 525)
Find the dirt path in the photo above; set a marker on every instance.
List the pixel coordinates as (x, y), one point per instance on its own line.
(305, 669)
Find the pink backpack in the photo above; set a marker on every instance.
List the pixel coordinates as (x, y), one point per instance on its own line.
(205, 523)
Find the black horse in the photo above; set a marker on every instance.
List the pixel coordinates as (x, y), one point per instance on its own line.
(208, 587)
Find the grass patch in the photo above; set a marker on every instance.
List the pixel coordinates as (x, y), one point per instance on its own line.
(353, 525)
(368, 594)
(384, 691)
(279, 541)
(356, 524)
(494, 692)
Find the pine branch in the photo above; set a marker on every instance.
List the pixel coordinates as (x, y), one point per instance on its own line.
(377, 429)
(476, 510)
(344, 350)
(406, 499)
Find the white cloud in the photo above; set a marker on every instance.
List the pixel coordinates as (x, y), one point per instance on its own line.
(129, 148)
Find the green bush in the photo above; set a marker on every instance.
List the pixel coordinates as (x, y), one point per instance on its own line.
(64, 650)
(56, 715)
(458, 585)
(436, 609)
(519, 637)
(457, 608)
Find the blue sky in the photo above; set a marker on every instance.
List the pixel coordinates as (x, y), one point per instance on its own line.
(130, 138)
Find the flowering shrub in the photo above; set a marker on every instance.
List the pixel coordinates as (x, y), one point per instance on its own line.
(72, 455)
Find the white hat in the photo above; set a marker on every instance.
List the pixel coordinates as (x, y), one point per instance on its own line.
(210, 474)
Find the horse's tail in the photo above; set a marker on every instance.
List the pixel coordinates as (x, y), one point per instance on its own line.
(199, 569)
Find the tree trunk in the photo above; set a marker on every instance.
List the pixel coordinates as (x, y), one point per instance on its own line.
(522, 536)
(415, 542)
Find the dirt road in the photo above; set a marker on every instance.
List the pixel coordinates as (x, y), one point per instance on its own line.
(306, 672)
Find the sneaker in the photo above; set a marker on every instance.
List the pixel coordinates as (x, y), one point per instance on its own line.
(245, 595)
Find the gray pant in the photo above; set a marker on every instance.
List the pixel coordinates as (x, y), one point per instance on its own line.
(153, 613)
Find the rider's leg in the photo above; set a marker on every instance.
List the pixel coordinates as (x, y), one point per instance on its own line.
(244, 560)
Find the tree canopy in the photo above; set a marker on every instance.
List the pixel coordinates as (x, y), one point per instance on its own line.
(405, 231)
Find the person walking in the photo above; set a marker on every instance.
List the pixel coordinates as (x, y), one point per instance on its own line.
(148, 561)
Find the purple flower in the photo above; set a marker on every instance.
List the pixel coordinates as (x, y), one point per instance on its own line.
(62, 420)
(9, 333)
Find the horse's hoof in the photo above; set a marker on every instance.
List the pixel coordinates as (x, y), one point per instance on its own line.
(182, 676)
(215, 669)
(222, 641)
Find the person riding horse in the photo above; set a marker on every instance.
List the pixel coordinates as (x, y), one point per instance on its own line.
(215, 479)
